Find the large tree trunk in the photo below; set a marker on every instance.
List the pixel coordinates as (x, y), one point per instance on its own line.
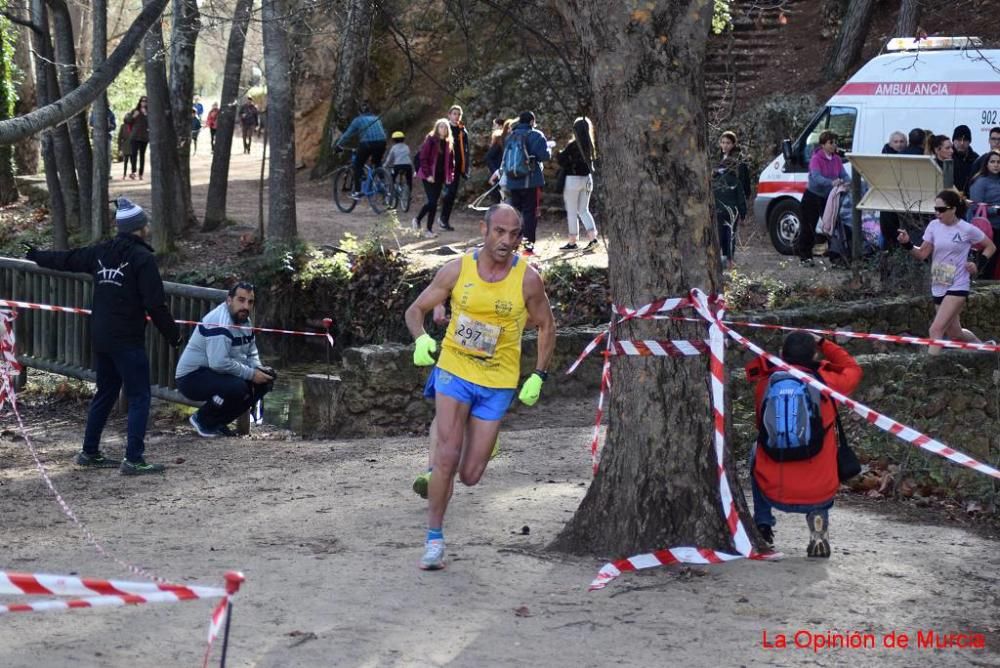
(846, 51)
(218, 184)
(60, 173)
(657, 485)
(100, 220)
(349, 81)
(69, 80)
(8, 186)
(26, 151)
(281, 219)
(163, 164)
(908, 19)
(56, 110)
(183, 38)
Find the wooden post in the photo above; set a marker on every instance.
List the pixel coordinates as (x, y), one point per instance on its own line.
(243, 424)
(856, 234)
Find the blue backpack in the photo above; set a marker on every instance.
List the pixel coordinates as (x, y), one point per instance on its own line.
(791, 425)
(516, 160)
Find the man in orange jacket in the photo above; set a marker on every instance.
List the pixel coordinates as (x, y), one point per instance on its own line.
(804, 485)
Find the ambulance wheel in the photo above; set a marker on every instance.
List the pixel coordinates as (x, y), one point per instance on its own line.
(783, 225)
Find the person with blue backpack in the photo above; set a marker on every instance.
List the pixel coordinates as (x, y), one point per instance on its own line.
(793, 464)
(521, 167)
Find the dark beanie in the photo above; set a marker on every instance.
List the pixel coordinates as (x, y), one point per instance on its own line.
(962, 132)
(130, 217)
(526, 117)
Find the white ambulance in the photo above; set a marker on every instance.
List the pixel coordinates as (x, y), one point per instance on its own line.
(935, 83)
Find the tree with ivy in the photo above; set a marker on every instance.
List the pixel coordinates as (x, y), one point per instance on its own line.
(8, 95)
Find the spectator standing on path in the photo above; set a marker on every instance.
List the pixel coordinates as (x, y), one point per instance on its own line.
(888, 221)
(127, 287)
(195, 129)
(964, 157)
(529, 144)
(398, 160)
(249, 118)
(212, 122)
(731, 189)
(125, 142)
(494, 154)
(139, 137)
(826, 170)
(463, 164)
(985, 189)
(371, 143)
(493, 292)
(436, 169)
(803, 485)
(947, 241)
(994, 139)
(221, 365)
(577, 162)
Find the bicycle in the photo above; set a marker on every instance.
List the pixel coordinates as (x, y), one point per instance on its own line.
(374, 187)
(400, 193)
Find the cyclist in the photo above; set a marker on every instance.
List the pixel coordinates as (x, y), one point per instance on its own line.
(398, 159)
(371, 143)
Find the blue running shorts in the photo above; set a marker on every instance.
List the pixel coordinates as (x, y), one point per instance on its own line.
(488, 403)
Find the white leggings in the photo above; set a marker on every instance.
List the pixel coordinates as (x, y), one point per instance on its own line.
(576, 196)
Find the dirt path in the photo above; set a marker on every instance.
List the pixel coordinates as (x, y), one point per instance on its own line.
(328, 534)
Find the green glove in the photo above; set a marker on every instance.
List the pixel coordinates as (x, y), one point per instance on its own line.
(530, 390)
(424, 347)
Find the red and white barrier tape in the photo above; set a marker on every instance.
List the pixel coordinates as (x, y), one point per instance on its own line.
(41, 584)
(653, 309)
(9, 366)
(652, 348)
(83, 311)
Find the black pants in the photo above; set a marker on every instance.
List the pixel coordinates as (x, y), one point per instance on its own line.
(525, 200)
(727, 233)
(247, 137)
(366, 149)
(211, 132)
(226, 396)
(139, 149)
(130, 367)
(429, 209)
(406, 171)
(809, 213)
(448, 199)
(888, 222)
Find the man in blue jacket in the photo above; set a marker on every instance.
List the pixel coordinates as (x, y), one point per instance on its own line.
(127, 287)
(371, 143)
(525, 191)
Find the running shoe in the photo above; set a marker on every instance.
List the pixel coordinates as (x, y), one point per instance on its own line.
(430, 235)
(496, 448)
(447, 227)
(568, 247)
(415, 224)
(224, 430)
(433, 559)
(819, 543)
(204, 433)
(766, 532)
(95, 461)
(141, 467)
(357, 194)
(590, 244)
(422, 483)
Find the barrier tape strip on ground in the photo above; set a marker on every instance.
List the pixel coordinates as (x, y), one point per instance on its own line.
(883, 422)
(741, 540)
(83, 311)
(41, 584)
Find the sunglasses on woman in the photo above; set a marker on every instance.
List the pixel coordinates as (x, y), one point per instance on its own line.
(942, 209)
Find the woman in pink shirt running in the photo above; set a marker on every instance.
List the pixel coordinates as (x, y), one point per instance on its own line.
(947, 241)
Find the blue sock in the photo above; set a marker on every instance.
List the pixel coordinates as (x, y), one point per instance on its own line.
(435, 534)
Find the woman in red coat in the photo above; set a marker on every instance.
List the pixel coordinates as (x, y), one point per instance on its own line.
(436, 170)
(808, 485)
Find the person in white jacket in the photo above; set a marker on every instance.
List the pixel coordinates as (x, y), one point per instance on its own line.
(221, 365)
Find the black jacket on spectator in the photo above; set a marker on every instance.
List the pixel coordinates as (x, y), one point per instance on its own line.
(962, 164)
(127, 286)
(572, 161)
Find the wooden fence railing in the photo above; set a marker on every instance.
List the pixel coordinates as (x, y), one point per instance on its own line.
(60, 342)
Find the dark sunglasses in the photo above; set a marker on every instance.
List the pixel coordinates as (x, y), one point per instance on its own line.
(942, 209)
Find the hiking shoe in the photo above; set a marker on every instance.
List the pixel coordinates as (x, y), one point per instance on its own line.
(433, 559)
(204, 433)
(223, 430)
(496, 448)
(95, 461)
(766, 532)
(568, 247)
(819, 544)
(421, 483)
(446, 227)
(140, 467)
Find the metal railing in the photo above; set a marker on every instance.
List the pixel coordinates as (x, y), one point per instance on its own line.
(60, 342)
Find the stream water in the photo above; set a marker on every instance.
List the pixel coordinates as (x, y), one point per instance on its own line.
(283, 404)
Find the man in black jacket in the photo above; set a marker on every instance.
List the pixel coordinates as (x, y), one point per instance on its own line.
(127, 286)
(463, 164)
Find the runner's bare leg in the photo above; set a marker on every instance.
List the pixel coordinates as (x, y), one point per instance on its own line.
(451, 417)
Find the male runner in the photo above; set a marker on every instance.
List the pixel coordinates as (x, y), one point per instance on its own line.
(493, 292)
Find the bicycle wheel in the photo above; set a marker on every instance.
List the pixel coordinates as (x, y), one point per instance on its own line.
(343, 186)
(380, 197)
(402, 196)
